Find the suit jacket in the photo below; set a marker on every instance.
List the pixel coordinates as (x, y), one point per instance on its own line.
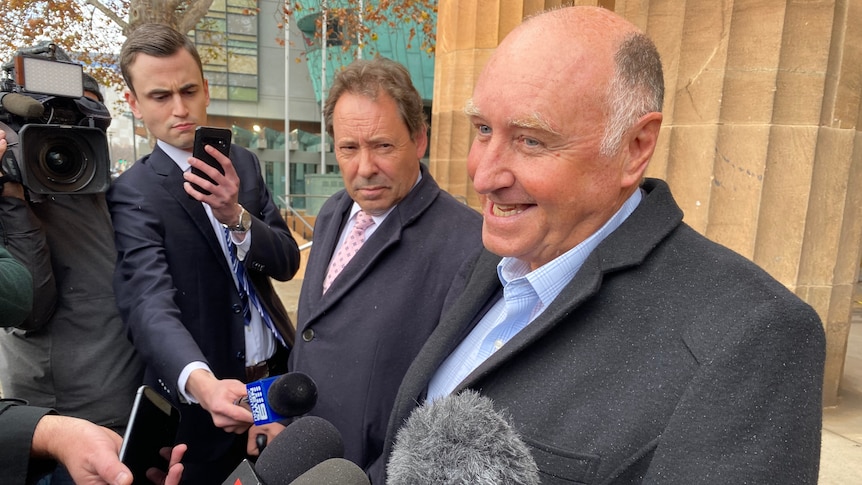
(175, 290)
(667, 359)
(17, 424)
(357, 340)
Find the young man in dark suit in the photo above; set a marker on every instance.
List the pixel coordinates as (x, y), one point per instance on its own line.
(188, 314)
(626, 347)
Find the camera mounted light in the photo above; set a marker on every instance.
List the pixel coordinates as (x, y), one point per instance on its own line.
(69, 152)
(45, 76)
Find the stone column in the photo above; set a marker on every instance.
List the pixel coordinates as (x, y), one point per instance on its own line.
(467, 33)
(761, 140)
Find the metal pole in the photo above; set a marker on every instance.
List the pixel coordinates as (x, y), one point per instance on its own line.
(359, 32)
(287, 62)
(324, 28)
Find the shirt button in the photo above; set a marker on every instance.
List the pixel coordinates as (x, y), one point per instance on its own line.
(498, 344)
(308, 335)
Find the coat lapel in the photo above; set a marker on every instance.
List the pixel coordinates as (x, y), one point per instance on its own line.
(322, 251)
(584, 285)
(173, 183)
(625, 248)
(481, 291)
(388, 234)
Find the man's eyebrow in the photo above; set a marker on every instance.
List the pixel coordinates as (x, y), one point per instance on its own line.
(535, 121)
(183, 88)
(471, 109)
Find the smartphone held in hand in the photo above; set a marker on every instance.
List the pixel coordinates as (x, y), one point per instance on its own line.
(218, 138)
(152, 427)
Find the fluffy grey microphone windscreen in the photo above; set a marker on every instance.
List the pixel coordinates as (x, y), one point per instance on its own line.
(459, 439)
(21, 105)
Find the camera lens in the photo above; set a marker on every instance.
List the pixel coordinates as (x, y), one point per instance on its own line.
(64, 159)
(63, 162)
(61, 165)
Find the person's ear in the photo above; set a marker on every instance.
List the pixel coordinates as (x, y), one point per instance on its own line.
(132, 100)
(421, 143)
(641, 140)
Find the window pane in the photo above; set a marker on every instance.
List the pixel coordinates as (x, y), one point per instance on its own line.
(227, 38)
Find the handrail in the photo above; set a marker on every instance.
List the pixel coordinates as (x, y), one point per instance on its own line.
(295, 213)
(299, 216)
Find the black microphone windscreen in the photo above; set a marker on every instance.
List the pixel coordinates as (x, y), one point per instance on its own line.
(292, 394)
(21, 105)
(334, 471)
(303, 444)
(459, 439)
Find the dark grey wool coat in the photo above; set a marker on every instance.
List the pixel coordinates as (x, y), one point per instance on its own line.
(668, 359)
(358, 339)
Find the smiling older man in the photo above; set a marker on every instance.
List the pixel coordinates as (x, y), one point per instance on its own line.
(626, 347)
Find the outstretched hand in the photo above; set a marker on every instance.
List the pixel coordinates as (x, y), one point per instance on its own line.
(91, 453)
(220, 397)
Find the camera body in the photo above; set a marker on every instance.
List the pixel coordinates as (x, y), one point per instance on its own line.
(56, 136)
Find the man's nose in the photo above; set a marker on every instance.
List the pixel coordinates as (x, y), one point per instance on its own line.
(487, 167)
(367, 165)
(179, 108)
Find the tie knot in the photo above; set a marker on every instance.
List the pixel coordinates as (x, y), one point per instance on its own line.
(363, 220)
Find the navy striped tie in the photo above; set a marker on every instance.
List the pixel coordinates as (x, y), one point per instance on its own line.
(246, 291)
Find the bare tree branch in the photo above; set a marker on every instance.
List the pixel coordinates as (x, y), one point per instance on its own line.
(195, 12)
(110, 13)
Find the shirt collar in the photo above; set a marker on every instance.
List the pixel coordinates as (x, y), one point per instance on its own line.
(179, 156)
(550, 279)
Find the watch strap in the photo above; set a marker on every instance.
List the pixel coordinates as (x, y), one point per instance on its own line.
(242, 224)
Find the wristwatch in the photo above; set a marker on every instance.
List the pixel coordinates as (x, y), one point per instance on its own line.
(243, 224)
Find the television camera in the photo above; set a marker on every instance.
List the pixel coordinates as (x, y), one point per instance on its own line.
(56, 136)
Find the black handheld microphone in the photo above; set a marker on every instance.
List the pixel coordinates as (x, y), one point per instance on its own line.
(292, 394)
(276, 398)
(303, 444)
(21, 105)
(334, 471)
(460, 439)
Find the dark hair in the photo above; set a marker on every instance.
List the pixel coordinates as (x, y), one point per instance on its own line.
(157, 40)
(371, 77)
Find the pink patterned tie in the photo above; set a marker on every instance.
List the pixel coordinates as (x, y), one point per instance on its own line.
(349, 248)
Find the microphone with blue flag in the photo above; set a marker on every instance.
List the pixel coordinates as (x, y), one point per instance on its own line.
(276, 398)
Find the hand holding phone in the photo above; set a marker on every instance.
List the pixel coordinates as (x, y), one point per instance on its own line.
(152, 426)
(218, 138)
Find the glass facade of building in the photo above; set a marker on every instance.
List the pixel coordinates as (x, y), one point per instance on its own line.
(228, 41)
